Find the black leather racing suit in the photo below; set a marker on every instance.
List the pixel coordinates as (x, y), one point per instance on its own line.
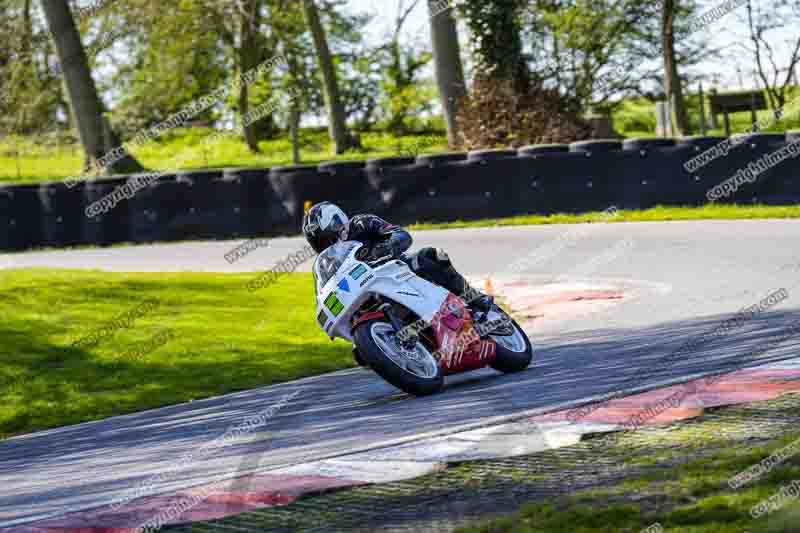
(432, 264)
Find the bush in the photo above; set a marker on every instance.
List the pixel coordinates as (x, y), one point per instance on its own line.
(496, 115)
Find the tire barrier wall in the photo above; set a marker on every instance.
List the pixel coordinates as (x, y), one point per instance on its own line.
(238, 203)
(113, 226)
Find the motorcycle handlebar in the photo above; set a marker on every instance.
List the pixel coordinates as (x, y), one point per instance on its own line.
(365, 255)
(375, 262)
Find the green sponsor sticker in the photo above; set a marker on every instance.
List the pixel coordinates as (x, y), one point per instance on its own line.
(333, 304)
(358, 271)
(322, 318)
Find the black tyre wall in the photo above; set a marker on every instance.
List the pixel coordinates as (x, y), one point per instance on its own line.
(348, 186)
(20, 218)
(296, 185)
(155, 208)
(26, 221)
(573, 181)
(7, 223)
(110, 227)
(214, 204)
(215, 208)
(781, 184)
(262, 211)
(401, 184)
(63, 213)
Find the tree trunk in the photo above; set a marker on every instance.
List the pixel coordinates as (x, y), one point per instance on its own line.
(248, 59)
(294, 133)
(448, 68)
(28, 29)
(337, 125)
(672, 81)
(87, 110)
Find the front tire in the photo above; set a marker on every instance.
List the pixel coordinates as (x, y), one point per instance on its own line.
(416, 372)
(514, 352)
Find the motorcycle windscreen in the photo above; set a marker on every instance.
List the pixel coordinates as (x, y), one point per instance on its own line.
(330, 261)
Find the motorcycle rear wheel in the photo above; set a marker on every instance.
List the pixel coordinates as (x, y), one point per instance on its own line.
(416, 372)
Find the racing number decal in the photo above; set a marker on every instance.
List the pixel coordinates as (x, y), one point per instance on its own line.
(333, 304)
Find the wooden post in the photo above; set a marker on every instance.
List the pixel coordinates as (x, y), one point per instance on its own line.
(727, 123)
(702, 111)
(753, 115)
(662, 119)
(714, 123)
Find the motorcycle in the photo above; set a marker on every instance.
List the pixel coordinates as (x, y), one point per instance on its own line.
(408, 330)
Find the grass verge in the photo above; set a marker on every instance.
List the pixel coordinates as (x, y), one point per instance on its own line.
(690, 498)
(35, 160)
(221, 338)
(655, 214)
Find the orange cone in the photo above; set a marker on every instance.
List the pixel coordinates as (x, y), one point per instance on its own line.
(488, 288)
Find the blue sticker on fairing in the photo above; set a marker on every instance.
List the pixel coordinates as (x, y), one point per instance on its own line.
(343, 285)
(358, 271)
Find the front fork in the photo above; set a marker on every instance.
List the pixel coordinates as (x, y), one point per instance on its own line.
(407, 338)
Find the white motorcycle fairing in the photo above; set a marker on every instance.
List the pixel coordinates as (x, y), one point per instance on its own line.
(345, 283)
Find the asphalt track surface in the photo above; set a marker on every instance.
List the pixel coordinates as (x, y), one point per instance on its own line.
(680, 279)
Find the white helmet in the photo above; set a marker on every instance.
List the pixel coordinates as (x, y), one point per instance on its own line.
(323, 225)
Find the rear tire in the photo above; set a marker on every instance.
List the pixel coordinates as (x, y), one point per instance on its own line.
(385, 367)
(509, 360)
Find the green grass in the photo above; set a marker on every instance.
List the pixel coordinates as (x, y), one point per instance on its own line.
(636, 117)
(655, 214)
(225, 339)
(693, 498)
(25, 160)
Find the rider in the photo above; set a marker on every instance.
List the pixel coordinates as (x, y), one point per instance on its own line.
(325, 224)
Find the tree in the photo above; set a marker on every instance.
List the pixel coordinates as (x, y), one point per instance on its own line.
(250, 42)
(361, 87)
(95, 133)
(447, 66)
(590, 50)
(337, 125)
(508, 105)
(496, 31)
(249, 56)
(404, 95)
(597, 51)
(672, 82)
(762, 21)
(30, 91)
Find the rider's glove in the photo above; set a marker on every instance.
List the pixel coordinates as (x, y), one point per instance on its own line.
(383, 249)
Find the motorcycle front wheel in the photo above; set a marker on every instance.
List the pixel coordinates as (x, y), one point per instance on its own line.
(514, 350)
(414, 370)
